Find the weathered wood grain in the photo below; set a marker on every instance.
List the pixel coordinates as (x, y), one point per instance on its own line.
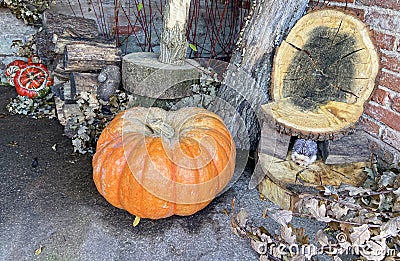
(62, 41)
(323, 74)
(353, 147)
(84, 57)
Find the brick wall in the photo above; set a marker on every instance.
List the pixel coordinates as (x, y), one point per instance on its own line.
(382, 115)
(11, 29)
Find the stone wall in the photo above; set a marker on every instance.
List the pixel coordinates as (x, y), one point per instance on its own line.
(382, 115)
(11, 29)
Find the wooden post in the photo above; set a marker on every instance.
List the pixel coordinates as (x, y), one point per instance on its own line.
(173, 44)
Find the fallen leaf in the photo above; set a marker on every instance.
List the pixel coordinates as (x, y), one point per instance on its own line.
(282, 217)
(38, 251)
(259, 247)
(387, 179)
(338, 210)
(360, 235)
(287, 236)
(322, 238)
(391, 228)
(373, 250)
(318, 212)
(136, 221)
(330, 190)
(353, 191)
(242, 217)
(300, 236)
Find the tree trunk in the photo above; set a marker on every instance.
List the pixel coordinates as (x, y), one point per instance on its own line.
(247, 80)
(173, 44)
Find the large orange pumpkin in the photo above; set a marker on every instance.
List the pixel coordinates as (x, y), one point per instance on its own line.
(156, 164)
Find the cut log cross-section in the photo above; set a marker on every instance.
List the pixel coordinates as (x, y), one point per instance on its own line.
(323, 74)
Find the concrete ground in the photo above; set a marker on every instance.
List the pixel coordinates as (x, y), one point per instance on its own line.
(56, 206)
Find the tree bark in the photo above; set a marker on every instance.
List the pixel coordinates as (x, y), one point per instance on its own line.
(87, 57)
(247, 80)
(62, 41)
(173, 44)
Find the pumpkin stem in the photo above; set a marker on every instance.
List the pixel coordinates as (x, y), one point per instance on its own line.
(159, 127)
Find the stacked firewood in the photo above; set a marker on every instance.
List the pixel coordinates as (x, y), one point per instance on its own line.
(79, 59)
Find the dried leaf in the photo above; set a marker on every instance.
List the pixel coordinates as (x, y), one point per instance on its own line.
(242, 217)
(287, 236)
(318, 212)
(339, 210)
(360, 235)
(391, 228)
(353, 191)
(282, 217)
(300, 235)
(330, 190)
(38, 251)
(322, 238)
(259, 247)
(136, 221)
(374, 250)
(387, 179)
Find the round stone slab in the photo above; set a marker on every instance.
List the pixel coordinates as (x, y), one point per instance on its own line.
(144, 75)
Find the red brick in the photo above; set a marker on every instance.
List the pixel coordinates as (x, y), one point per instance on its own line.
(384, 41)
(382, 150)
(390, 4)
(389, 81)
(381, 96)
(127, 29)
(370, 126)
(321, 4)
(384, 115)
(385, 21)
(396, 104)
(391, 137)
(390, 62)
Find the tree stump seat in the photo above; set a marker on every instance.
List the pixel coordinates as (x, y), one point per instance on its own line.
(324, 72)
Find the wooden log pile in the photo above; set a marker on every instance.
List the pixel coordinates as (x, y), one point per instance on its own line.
(76, 55)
